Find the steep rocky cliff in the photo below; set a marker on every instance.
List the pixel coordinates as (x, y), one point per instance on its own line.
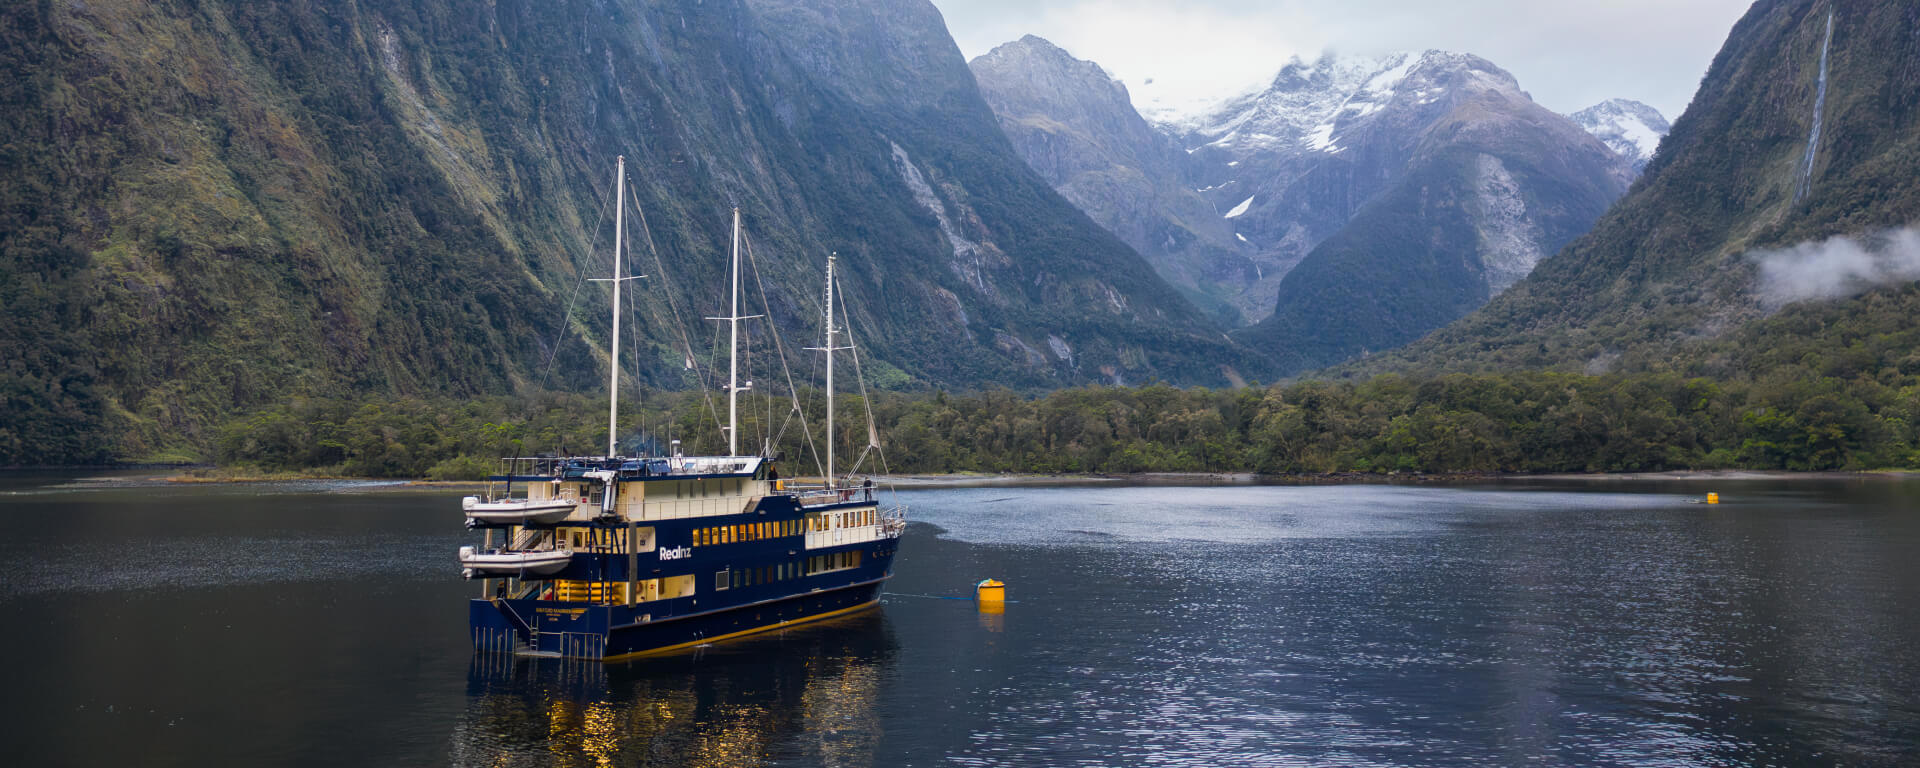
(1077, 127)
(211, 205)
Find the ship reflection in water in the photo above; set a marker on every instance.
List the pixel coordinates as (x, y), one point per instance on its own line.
(807, 694)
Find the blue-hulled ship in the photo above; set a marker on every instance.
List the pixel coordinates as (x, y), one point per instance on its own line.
(613, 556)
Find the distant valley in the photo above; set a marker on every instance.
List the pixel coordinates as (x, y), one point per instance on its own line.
(1351, 206)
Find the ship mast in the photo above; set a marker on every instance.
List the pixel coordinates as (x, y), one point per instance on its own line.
(832, 332)
(613, 351)
(733, 348)
(733, 319)
(613, 361)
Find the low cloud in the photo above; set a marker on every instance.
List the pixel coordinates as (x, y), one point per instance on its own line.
(1838, 267)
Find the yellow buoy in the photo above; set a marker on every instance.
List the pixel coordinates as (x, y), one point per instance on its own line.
(990, 591)
(1713, 498)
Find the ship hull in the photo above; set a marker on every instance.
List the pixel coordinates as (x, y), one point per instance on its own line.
(614, 632)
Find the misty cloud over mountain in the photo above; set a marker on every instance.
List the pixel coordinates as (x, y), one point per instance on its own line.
(1838, 267)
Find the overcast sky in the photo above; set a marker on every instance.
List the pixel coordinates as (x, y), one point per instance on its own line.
(1569, 54)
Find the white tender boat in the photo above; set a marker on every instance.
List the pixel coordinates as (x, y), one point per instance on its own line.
(540, 562)
(517, 511)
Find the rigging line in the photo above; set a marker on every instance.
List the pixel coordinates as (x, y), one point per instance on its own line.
(759, 424)
(553, 350)
(780, 347)
(679, 321)
(713, 349)
(866, 401)
(560, 333)
(873, 429)
(746, 364)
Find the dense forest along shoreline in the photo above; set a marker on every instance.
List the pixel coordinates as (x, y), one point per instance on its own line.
(93, 476)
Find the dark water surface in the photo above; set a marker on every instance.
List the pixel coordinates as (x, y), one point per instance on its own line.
(1575, 624)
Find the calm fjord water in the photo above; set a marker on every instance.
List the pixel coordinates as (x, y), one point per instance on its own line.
(1581, 624)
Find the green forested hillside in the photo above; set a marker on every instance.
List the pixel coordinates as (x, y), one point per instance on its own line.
(1666, 279)
(210, 206)
(1511, 422)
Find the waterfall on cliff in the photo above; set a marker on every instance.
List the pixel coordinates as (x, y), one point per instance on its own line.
(1819, 108)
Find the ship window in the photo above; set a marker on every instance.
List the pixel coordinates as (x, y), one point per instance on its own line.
(677, 586)
(720, 579)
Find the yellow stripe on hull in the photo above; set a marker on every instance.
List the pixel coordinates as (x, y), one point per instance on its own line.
(669, 649)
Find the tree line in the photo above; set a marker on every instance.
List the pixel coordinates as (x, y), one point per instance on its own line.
(1457, 423)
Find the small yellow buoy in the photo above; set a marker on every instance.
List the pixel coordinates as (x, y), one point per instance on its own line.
(1713, 498)
(990, 591)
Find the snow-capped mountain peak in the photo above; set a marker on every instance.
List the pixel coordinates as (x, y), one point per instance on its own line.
(1631, 129)
(1309, 106)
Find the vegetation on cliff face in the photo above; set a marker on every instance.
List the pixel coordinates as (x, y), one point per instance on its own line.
(210, 206)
